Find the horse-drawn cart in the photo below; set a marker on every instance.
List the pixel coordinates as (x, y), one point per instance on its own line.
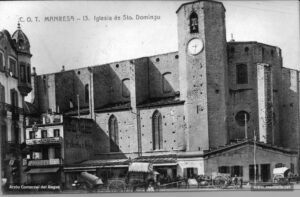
(221, 180)
(139, 176)
(281, 175)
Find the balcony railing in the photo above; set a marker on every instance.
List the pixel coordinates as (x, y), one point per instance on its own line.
(4, 107)
(48, 140)
(47, 162)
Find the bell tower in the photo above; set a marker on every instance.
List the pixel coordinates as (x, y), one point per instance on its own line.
(24, 59)
(203, 73)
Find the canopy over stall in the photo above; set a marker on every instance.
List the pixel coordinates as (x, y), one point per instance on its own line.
(140, 167)
(90, 178)
(283, 171)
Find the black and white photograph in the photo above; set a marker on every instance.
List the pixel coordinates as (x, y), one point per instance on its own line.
(149, 96)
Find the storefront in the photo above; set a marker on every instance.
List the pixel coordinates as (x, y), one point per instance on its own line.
(104, 169)
(44, 176)
(249, 161)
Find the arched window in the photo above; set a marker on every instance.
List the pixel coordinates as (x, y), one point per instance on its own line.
(194, 23)
(241, 117)
(113, 134)
(86, 93)
(157, 137)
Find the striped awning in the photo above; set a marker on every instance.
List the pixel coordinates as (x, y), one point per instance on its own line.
(140, 167)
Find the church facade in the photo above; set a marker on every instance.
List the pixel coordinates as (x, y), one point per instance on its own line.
(194, 111)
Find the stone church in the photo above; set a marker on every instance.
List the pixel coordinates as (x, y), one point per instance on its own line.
(191, 112)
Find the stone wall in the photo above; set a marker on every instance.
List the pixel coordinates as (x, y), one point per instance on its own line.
(173, 127)
(289, 109)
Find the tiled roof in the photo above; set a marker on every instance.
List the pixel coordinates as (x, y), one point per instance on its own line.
(114, 107)
(157, 159)
(103, 162)
(74, 112)
(249, 142)
(155, 102)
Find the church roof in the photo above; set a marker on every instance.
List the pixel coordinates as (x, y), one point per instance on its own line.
(21, 39)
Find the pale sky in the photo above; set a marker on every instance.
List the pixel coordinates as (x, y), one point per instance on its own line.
(87, 43)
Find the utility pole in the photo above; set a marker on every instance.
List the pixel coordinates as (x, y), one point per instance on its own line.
(78, 107)
(254, 159)
(246, 131)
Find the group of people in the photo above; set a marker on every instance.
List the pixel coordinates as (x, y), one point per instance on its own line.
(238, 182)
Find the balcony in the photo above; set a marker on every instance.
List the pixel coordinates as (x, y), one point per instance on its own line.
(3, 109)
(47, 162)
(48, 140)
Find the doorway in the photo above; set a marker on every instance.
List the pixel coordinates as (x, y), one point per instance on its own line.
(265, 172)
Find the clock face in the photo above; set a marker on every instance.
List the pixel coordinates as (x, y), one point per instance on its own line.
(195, 46)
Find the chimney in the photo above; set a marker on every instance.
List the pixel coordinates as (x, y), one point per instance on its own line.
(63, 68)
(33, 71)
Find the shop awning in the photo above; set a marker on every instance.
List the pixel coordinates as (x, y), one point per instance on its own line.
(140, 167)
(280, 170)
(42, 170)
(158, 160)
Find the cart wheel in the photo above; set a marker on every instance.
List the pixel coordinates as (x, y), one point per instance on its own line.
(219, 182)
(116, 186)
(277, 179)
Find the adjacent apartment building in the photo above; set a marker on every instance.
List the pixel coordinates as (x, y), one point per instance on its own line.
(15, 84)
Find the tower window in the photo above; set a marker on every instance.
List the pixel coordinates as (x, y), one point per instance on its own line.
(157, 137)
(86, 93)
(194, 23)
(22, 73)
(113, 134)
(242, 117)
(241, 74)
(28, 74)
